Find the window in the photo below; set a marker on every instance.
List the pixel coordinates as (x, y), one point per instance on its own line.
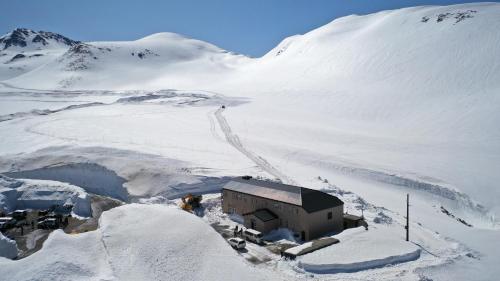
(329, 215)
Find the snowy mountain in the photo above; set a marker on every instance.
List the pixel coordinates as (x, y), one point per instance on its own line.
(368, 108)
(25, 39)
(429, 42)
(23, 50)
(155, 59)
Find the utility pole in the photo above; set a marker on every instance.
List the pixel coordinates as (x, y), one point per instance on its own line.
(407, 227)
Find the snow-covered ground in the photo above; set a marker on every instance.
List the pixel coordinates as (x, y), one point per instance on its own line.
(381, 105)
(356, 252)
(137, 242)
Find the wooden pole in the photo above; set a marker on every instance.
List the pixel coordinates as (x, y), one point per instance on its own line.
(407, 217)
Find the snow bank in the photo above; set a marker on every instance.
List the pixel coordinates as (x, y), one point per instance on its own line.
(360, 250)
(137, 242)
(62, 257)
(8, 248)
(92, 177)
(42, 194)
(185, 248)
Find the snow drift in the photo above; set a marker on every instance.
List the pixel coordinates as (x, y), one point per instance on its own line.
(42, 194)
(181, 247)
(360, 250)
(8, 248)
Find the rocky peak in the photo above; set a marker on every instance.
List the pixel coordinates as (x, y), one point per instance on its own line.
(23, 37)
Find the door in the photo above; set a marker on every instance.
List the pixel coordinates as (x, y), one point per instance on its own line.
(303, 236)
(252, 224)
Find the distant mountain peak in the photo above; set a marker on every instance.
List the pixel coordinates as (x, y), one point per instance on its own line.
(23, 37)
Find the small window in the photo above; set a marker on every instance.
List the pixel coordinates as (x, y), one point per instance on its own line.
(329, 215)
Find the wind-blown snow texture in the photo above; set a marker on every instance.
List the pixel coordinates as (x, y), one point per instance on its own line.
(180, 247)
(396, 102)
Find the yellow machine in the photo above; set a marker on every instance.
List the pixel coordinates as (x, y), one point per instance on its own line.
(190, 202)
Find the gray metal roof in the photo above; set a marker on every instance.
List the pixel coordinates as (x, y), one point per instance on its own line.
(311, 200)
(275, 191)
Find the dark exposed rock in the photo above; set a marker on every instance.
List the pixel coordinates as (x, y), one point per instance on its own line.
(448, 213)
(39, 39)
(146, 53)
(458, 16)
(20, 37)
(79, 56)
(16, 57)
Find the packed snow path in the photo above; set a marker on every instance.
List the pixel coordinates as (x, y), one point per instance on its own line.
(234, 140)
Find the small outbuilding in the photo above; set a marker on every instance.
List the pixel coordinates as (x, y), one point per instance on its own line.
(351, 221)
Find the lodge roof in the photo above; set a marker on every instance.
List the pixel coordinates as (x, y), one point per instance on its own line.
(309, 199)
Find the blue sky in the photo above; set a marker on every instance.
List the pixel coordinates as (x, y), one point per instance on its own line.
(248, 27)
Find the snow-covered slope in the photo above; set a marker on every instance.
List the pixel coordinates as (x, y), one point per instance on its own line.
(391, 92)
(137, 242)
(23, 50)
(158, 59)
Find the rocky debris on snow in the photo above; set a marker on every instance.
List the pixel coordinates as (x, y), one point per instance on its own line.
(448, 213)
(79, 56)
(458, 16)
(145, 53)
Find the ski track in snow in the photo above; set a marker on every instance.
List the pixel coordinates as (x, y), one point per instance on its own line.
(213, 130)
(234, 140)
